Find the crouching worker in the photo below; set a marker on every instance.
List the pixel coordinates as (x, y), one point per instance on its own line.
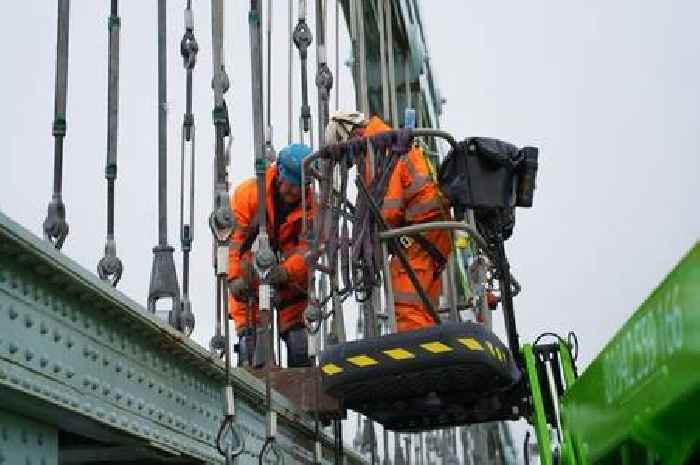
(289, 276)
(412, 197)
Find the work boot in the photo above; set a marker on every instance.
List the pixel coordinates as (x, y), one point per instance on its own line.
(251, 349)
(297, 347)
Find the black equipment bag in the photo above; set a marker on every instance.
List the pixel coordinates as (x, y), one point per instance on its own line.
(489, 173)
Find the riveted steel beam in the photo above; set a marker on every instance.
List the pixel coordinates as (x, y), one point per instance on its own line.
(78, 356)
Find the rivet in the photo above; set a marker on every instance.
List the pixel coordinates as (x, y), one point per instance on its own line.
(95, 385)
(95, 354)
(69, 343)
(129, 374)
(86, 381)
(57, 368)
(105, 361)
(43, 329)
(56, 336)
(118, 367)
(140, 405)
(70, 373)
(106, 390)
(28, 321)
(13, 313)
(43, 362)
(40, 439)
(118, 394)
(140, 378)
(29, 355)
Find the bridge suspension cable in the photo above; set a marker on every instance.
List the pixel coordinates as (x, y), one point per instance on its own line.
(188, 51)
(110, 267)
(55, 226)
(164, 283)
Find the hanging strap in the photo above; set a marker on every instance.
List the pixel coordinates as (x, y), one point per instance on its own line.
(110, 266)
(302, 39)
(55, 226)
(188, 51)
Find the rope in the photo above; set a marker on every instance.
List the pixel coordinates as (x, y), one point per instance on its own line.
(188, 51)
(290, 63)
(110, 267)
(55, 226)
(337, 54)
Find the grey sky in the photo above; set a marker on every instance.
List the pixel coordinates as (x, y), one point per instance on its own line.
(608, 90)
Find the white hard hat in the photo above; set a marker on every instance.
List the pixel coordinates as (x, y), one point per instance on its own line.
(341, 124)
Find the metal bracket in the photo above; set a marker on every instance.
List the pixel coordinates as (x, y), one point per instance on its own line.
(55, 226)
(164, 283)
(110, 267)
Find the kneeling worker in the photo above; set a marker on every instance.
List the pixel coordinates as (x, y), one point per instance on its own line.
(412, 197)
(289, 276)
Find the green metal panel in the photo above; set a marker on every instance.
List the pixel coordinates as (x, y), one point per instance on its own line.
(409, 46)
(26, 442)
(639, 401)
(80, 356)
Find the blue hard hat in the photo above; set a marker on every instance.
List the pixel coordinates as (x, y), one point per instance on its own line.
(289, 162)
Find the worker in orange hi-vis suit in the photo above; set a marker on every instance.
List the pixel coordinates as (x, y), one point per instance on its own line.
(412, 197)
(284, 228)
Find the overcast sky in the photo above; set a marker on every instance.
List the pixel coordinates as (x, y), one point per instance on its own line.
(608, 91)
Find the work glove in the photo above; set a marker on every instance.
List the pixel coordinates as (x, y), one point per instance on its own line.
(239, 289)
(277, 275)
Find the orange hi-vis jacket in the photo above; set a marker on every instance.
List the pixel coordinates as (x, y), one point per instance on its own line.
(285, 239)
(413, 197)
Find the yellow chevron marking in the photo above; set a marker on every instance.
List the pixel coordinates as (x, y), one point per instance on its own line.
(331, 369)
(436, 347)
(471, 343)
(490, 346)
(399, 354)
(362, 361)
